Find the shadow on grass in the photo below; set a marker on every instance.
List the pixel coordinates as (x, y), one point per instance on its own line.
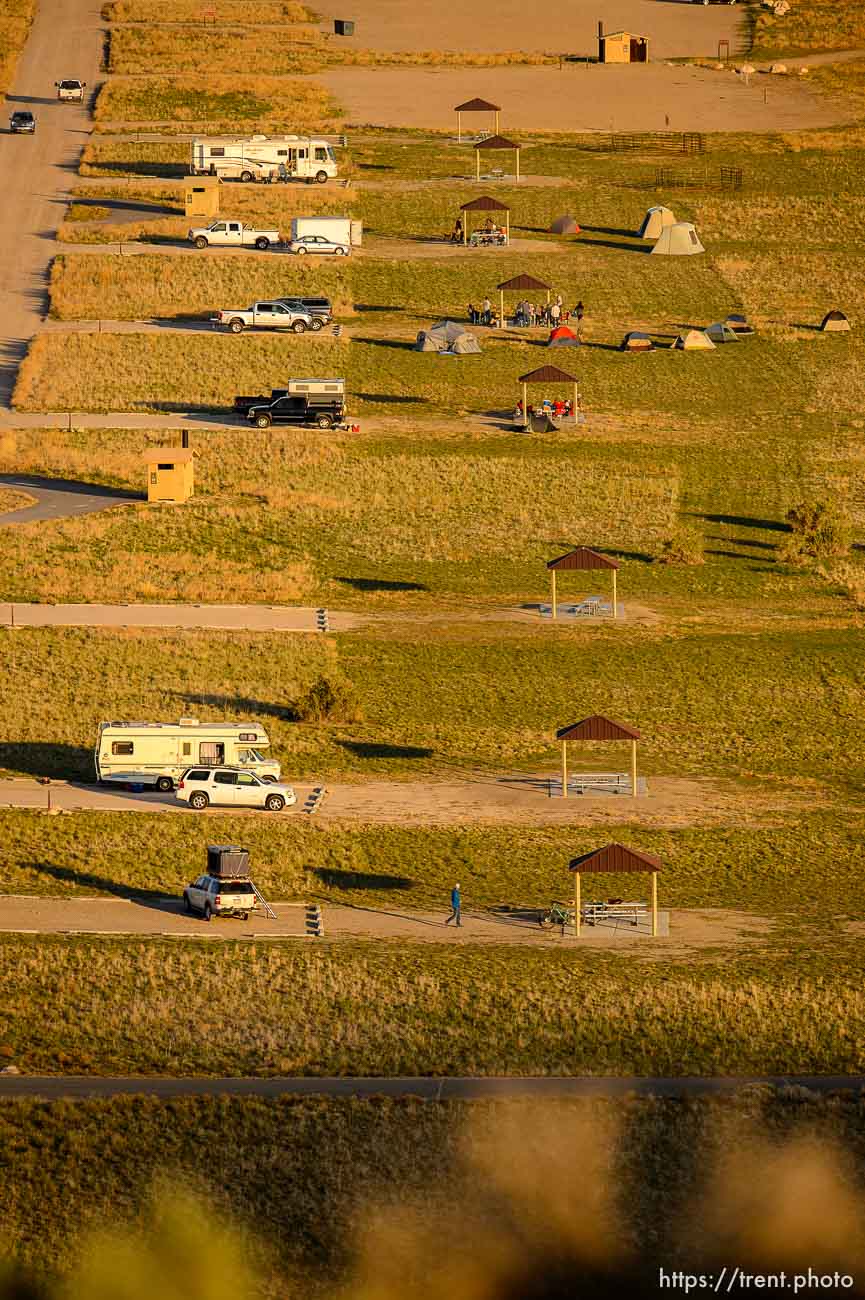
(379, 749)
(90, 880)
(334, 879)
(375, 306)
(393, 398)
(744, 521)
(37, 759)
(382, 584)
(233, 704)
(397, 344)
(164, 170)
(615, 243)
(609, 230)
(641, 557)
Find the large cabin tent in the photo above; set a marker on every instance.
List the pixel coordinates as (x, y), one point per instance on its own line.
(654, 222)
(447, 336)
(679, 240)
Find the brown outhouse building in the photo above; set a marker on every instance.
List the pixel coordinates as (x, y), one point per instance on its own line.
(622, 47)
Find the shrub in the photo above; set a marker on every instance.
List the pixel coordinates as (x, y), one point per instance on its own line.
(329, 698)
(684, 547)
(820, 531)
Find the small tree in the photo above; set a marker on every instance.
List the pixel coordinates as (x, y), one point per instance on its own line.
(328, 699)
(820, 531)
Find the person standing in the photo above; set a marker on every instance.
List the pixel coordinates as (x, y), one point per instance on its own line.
(555, 314)
(579, 312)
(487, 308)
(456, 907)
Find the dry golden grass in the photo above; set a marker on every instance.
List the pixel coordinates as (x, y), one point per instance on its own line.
(12, 499)
(15, 19)
(225, 11)
(235, 103)
(845, 81)
(811, 25)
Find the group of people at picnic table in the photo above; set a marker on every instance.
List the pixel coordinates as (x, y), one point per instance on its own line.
(489, 233)
(530, 315)
(558, 409)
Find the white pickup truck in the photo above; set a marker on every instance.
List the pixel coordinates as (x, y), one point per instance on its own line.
(269, 316)
(232, 234)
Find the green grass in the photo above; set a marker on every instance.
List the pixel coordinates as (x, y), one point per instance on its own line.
(185, 1007)
(762, 862)
(472, 697)
(274, 102)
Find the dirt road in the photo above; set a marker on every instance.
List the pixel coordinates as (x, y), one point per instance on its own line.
(38, 171)
(533, 1088)
(515, 798)
(680, 932)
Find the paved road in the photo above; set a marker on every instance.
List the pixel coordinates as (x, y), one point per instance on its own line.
(57, 498)
(230, 618)
(452, 1089)
(38, 172)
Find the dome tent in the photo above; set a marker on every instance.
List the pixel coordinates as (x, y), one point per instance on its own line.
(565, 225)
(636, 341)
(720, 332)
(654, 222)
(834, 321)
(693, 340)
(739, 324)
(679, 240)
(562, 337)
(447, 336)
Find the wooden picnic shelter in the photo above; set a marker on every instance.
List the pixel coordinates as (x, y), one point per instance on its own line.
(615, 859)
(475, 106)
(486, 204)
(495, 142)
(516, 284)
(549, 375)
(597, 727)
(583, 559)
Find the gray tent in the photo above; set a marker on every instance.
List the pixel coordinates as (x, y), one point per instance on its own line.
(566, 225)
(447, 336)
(720, 332)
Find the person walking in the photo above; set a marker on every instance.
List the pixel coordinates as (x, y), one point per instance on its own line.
(456, 907)
(555, 314)
(487, 309)
(579, 312)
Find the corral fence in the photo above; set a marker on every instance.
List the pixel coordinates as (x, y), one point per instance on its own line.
(687, 142)
(725, 178)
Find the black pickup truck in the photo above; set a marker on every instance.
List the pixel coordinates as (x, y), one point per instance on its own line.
(319, 410)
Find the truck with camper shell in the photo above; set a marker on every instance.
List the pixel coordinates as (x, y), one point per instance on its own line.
(319, 403)
(156, 754)
(258, 158)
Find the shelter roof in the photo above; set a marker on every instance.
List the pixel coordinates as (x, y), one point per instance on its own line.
(548, 375)
(607, 35)
(177, 455)
(583, 558)
(478, 106)
(523, 282)
(497, 142)
(484, 204)
(615, 858)
(597, 727)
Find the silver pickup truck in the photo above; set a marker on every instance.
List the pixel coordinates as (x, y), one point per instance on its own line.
(268, 316)
(232, 234)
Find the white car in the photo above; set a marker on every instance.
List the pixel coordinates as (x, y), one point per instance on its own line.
(318, 244)
(70, 90)
(214, 897)
(232, 787)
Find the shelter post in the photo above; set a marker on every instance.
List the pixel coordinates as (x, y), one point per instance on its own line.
(477, 164)
(526, 405)
(497, 121)
(564, 769)
(501, 308)
(465, 240)
(654, 904)
(517, 156)
(615, 605)
(508, 226)
(577, 903)
(577, 405)
(459, 127)
(634, 769)
(555, 606)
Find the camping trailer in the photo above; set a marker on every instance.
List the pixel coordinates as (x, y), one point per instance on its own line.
(158, 753)
(254, 157)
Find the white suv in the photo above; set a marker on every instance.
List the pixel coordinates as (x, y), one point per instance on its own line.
(232, 787)
(213, 897)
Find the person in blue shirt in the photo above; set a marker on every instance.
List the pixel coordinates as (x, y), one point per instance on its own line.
(456, 905)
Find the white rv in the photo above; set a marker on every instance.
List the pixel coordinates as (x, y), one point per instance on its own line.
(157, 753)
(257, 156)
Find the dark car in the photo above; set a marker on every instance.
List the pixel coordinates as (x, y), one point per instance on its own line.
(22, 122)
(319, 307)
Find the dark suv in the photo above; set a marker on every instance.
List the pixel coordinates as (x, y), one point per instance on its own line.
(22, 122)
(318, 307)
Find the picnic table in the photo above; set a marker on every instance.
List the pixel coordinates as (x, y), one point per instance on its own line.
(487, 239)
(613, 909)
